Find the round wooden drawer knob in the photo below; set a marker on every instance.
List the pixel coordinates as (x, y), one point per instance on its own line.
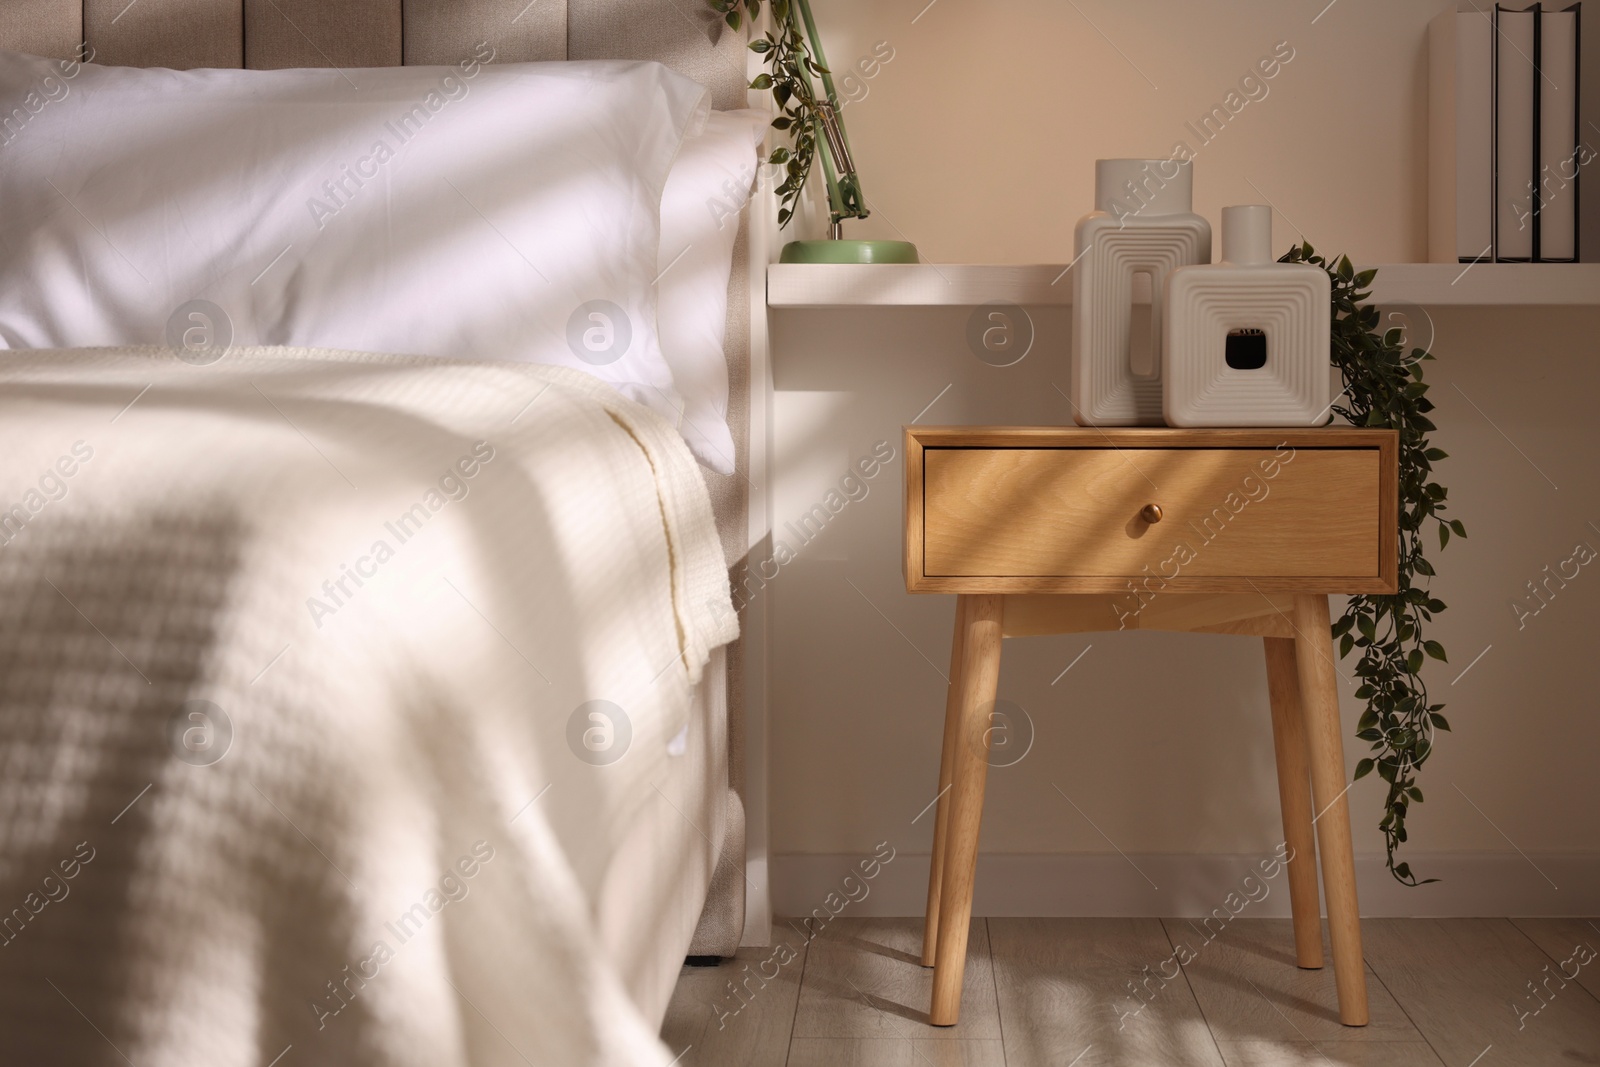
(1150, 513)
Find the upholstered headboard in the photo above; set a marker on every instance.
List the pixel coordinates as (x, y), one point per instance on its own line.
(265, 34)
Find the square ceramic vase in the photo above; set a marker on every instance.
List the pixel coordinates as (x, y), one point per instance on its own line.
(1142, 225)
(1246, 341)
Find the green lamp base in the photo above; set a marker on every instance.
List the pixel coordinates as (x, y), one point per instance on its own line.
(849, 252)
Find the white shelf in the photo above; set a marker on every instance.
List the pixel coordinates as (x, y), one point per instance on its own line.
(796, 285)
(803, 285)
(1488, 284)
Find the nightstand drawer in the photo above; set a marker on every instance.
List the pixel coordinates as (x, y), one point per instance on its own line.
(1268, 512)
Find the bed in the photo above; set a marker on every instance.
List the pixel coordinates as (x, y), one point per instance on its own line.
(356, 706)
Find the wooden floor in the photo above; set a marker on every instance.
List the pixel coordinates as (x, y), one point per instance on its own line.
(1094, 992)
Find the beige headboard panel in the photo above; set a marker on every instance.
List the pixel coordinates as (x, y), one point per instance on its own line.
(268, 34)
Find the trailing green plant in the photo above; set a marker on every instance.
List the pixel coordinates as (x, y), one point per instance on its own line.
(1384, 388)
(787, 52)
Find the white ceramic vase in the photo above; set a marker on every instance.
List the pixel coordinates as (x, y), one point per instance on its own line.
(1246, 341)
(1142, 224)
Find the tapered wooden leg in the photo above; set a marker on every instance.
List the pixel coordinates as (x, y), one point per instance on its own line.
(1319, 702)
(1294, 796)
(952, 725)
(980, 677)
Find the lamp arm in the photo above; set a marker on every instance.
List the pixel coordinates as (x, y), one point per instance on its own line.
(845, 199)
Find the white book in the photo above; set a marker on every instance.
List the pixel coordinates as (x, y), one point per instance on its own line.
(1589, 136)
(1460, 136)
(1558, 136)
(1515, 114)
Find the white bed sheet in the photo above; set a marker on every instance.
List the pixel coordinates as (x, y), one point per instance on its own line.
(649, 899)
(176, 526)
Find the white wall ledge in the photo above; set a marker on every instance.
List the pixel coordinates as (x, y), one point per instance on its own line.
(795, 285)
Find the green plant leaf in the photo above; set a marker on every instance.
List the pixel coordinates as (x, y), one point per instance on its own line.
(1384, 388)
(1363, 768)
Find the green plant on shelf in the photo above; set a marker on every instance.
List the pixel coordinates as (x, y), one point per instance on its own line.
(804, 114)
(1384, 389)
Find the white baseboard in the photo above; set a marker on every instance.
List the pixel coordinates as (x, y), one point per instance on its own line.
(1471, 884)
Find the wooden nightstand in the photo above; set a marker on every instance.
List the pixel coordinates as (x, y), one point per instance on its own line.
(1044, 530)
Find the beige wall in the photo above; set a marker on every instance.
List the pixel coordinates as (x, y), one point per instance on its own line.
(977, 141)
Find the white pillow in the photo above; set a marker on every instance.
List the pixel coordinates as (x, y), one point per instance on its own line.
(707, 189)
(475, 211)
